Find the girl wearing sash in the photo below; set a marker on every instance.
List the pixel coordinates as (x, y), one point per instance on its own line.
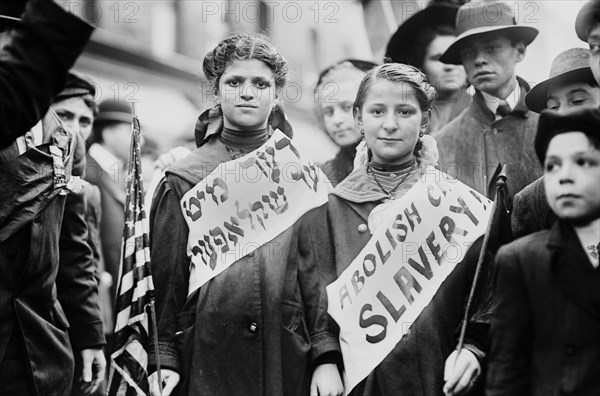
(392, 111)
(259, 327)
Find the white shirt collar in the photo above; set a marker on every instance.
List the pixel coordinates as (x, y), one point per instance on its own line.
(107, 160)
(38, 137)
(512, 99)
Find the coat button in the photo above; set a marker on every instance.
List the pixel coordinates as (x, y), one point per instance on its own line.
(12, 253)
(570, 350)
(253, 328)
(362, 228)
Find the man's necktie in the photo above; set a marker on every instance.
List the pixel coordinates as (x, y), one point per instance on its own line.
(503, 109)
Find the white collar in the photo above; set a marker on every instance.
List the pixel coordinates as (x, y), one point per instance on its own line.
(107, 160)
(38, 137)
(512, 99)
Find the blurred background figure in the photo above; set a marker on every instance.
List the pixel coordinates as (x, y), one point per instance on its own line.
(420, 42)
(335, 92)
(106, 161)
(587, 27)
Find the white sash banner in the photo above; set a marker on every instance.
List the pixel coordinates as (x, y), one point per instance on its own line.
(245, 203)
(386, 287)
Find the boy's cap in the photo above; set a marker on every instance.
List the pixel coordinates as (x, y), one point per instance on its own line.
(75, 86)
(552, 123)
(10, 12)
(570, 66)
(587, 17)
(400, 44)
(110, 110)
(479, 18)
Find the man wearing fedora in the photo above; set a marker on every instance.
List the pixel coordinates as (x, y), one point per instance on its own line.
(41, 297)
(106, 162)
(496, 128)
(587, 27)
(570, 86)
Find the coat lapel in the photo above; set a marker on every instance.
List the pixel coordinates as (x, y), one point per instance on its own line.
(572, 271)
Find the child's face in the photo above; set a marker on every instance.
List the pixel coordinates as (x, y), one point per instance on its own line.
(247, 94)
(391, 118)
(572, 177)
(566, 97)
(337, 97)
(594, 43)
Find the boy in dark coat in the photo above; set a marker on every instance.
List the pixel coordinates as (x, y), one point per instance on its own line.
(546, 321)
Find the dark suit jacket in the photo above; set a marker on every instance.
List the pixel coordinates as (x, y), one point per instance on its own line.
(47, 279)
(33, 65)
(545, 335)
(531, 212)
(112, 197)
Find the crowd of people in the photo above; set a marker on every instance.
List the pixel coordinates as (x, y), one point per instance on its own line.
(246, 267)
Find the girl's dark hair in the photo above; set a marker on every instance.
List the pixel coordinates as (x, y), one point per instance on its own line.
(398, 73)
(416, 56)
(244, 46)
(363, 66)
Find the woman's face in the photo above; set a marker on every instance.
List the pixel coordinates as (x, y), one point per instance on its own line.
(336, 100)
(571, 174)
(442, 76)
(247, 94)
(391, 118)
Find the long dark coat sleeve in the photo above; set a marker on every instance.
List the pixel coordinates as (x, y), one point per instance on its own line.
(77, 287)
(34, 63)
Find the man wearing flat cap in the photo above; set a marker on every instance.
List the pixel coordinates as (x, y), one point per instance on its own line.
(106, 162)
(43, 299)
(496, 128)
(587, 27)
(570, 86)
(546, 315)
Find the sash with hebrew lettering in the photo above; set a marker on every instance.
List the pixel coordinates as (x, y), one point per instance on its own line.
(425, 234)
(245, 203)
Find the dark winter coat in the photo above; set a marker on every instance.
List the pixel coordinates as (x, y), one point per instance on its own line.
(47, 283)
(531, 212)
(415, 367)
(474, 145)
(259, 327)
(546, 318)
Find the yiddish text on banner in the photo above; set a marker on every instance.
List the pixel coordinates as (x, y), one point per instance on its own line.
(245, 203)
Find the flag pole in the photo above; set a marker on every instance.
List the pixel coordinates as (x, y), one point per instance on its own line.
(151, 307)
(500, 183)
(155, 339)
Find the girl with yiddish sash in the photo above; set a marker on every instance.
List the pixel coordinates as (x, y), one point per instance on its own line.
(240, 309)
(392, 110)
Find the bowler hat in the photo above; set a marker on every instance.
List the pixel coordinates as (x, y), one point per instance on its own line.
(113, 111)
(588, 15)
(552, 123)
(570, 66)
(75, 86)
(479, 18)
(10, 12)
(400, 46)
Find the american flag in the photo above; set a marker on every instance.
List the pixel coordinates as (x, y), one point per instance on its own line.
(135, 291)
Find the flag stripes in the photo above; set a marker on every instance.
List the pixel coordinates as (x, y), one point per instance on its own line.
(135, 290)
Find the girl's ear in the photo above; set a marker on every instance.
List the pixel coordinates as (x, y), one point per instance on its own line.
(357, 117)
(426, 120)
